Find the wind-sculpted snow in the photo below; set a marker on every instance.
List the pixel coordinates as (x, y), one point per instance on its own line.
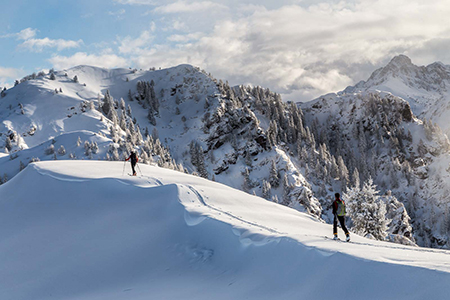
(74, 230)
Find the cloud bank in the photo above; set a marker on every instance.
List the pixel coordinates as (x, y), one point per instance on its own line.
(299, 48)
(301, 51)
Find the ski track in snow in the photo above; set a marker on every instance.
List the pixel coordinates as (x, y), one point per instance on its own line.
(195, 220)
(202, 201)
(394, 246)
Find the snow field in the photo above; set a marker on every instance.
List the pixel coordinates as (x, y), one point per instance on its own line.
(81, 230)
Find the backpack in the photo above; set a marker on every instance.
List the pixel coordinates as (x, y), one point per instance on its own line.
(340, 211)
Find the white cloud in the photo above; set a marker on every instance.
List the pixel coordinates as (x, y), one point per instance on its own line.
(137, 2)
(304, 51)
(27, 33)
(183, 38)
(105, 60)
(37, 45)
(129, 45)
(152, 26)
(24, 34)
(118, 14)
(8, 75)
(179, 25)
(183, 7)
(9, 72)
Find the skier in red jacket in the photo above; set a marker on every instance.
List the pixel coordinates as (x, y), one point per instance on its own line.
(134, 159)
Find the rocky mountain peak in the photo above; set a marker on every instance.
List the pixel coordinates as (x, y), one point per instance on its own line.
(400, 61)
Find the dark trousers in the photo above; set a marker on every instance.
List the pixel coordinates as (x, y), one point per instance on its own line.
(132, 167)
(342, 221)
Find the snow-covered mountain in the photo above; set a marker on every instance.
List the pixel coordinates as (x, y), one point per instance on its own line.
(393, 128)
(426, 88)
(245, 137)
(81, 230)
(215, 130)
(378, 137)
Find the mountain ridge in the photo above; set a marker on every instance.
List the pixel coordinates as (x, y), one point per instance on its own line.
(245, 137)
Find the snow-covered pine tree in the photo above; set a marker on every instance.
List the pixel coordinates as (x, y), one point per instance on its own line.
(367, 211)
(130, 96)
(61, 150)
(247, 185)
(266, 190)
(275, 199)
(8, 143)
(274, 179)
(343, 173)
(151, 116)
(198, 158)
(286, 190)
(122, 121)
(355, 178)
(50, 150)
(138, 135)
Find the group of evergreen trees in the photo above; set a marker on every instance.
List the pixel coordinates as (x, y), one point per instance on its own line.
(127, 135)
(322, 150)
(148, 99)
(375, 142)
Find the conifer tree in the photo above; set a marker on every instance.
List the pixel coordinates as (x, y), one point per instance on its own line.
(274, 178)
(367, 210)
(266, 190)
(286, 190)
(355, 178)
(8, 143)
(247, 185)
(130, 96)
(61, 150)
(151, 116)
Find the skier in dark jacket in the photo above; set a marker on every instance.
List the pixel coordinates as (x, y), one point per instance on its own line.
(134, 159)
(339, 214)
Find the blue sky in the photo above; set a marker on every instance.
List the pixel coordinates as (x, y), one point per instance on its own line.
(299, 48)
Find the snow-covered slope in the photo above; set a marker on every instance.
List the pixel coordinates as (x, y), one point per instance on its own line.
(189, 111)
(81, 230)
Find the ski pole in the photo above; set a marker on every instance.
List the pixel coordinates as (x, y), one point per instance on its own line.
(123, 171)
(139, 169)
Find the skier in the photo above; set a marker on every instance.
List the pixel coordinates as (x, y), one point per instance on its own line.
(134, 159)
(339, 214)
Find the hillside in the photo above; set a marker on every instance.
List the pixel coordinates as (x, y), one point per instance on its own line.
(206, 125)
(393, 128)
(426, 88)
(245, 137)
(81, 230)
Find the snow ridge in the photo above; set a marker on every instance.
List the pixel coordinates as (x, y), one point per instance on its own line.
(122, 247)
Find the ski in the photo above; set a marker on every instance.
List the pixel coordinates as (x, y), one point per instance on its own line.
(338, 239)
